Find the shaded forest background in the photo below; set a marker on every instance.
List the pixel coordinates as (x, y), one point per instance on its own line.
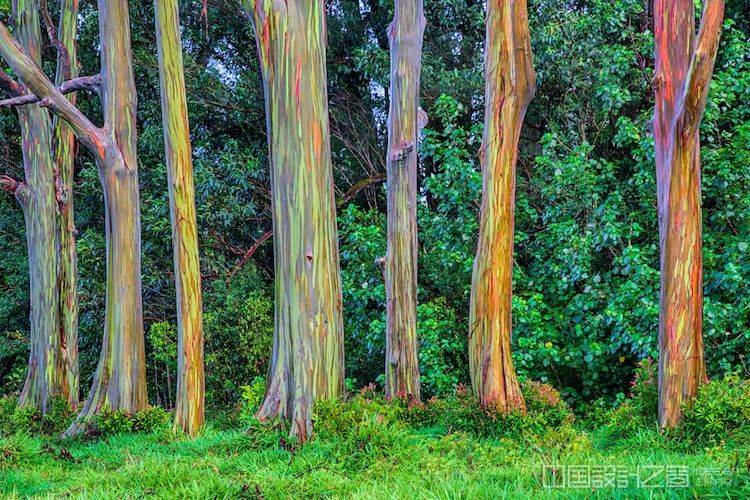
(586, 278)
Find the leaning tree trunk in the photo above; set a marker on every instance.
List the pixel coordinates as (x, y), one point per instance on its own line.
(189, 412)
(46, 376)
(307, 362)
(67, 68)
(683, 74)
(400, 264)
(509, 87)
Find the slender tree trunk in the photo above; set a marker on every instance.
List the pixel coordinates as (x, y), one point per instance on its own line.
(46, 376)
(307, 362)
(400, 265)
(189, 412)
(683, 74)
(67, 69)
(509, 87)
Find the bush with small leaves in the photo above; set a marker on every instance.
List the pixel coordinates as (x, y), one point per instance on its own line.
(111, 422)
(720, 412)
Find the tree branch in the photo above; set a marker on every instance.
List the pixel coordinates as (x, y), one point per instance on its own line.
(339, 202)
(54, 40)
(702, 66)
(91, 83)
(355, 189)
(10, 85)
(34, 78)
(250, 253)
(8, 184)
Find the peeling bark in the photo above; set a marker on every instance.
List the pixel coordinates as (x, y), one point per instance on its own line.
(46, 376)
(684, 67)
(67, 69)
(509, 87)
(405, 34)
(307, 361)
(189, 408)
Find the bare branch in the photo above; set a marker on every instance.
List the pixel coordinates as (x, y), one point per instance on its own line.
(91, 83)
(8, 184)
(34, 78)
(250, 253)
(54, 40)
(10, 85)
(356, 188)
(364, 183)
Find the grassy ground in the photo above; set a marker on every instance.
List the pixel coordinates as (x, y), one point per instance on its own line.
(404, 463)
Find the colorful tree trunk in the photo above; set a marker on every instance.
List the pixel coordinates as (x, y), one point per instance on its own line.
(67, 69)
(509, 87)
(189, 412)
(400, 264)
(120, 378)
(683, 74)
(307, 362)
(46, 376)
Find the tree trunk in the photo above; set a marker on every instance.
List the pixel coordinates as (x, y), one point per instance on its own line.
(67, 69)
(189, 412)
(307, 362)
(46, 376)
(683, 74)
(400, 265)
(509, 87)
(120, 378)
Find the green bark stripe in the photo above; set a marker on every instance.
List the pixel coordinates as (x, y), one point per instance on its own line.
(189, 408)
(307, 361)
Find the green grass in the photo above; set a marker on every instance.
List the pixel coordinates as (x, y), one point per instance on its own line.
(397, 463)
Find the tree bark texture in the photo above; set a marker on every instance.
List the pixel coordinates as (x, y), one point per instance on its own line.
(509, 87)
(46, 376)
(684, 66)
(405, 34)
(189, 408)
(67, 69)
(307, 362)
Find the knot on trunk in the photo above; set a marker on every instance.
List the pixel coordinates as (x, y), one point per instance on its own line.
(402, 151)
(380, 262)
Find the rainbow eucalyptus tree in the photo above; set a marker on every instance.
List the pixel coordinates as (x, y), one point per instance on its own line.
(189, 408)
(307, 362)
(46, 376)
(509, 87)
(399, 265)
(684, 66)
(64, 147)
(120, 379)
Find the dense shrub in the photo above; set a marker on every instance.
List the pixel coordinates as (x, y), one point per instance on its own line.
(27, 419)
(720, 412)
(364, 430)
(462, 412)
(110, 422)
